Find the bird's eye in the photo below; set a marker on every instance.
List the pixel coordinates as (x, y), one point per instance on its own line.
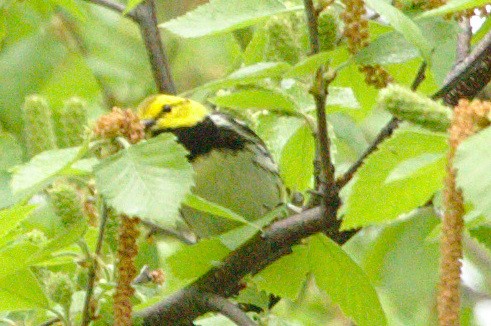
(166, 108)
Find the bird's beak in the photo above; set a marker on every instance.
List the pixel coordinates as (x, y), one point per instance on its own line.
(148, 123)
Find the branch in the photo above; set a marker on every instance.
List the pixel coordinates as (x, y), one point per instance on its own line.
(221, 305)
(86, 317)
(319, 92)
(159, 230)
(144, 15)
(470, 76)
(466, 80)
(181, 308)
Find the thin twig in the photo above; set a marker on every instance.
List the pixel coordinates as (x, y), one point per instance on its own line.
(319, 92)
(159, 230)
(221, 305)
(144, 15)
(147, 20)
(50, 322)
(114, 6)
(86, 317)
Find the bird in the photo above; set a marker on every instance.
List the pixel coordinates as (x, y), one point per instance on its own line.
(233, 167)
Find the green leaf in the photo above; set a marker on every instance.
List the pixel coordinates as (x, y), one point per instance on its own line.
(345, 282)
(190, 262)
(482, 234)
(247, 75)
(9, 218)
(296, 162)
(343, 97)
(220, 16)
(454, 6)
(21, 291)
(309, 65)
(389, 48)
(148, 180)
(403, 25)
(404, 267)
(207, 206)
(15, 257)
(43, 168)
(11, 151)
(132, 4)
(409, 167)
(286, 276)
(7, 198)
(371, 200)
(473, 164)
(256, 98)
(256, 49)
(335, 273)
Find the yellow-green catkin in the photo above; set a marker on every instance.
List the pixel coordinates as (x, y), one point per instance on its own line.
(415, 108)
(38, 125)
(329, 28)
(66, 204)
(285, 38)
(71, 121)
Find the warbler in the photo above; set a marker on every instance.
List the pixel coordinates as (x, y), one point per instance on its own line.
(232, 165)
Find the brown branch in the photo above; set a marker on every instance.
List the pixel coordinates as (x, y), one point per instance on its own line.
(319, 92)
(86, 317)
(466, 80)
(144, 15)
(464, 39)
(221, 305)
(182, 308)
(470, 76)
(156, 229)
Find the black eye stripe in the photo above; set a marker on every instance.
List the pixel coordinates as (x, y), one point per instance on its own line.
(166, 108)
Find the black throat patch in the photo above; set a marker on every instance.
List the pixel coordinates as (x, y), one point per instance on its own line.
(207, 136)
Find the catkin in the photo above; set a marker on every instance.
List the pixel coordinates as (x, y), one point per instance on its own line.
(127, 251)
(467, 119)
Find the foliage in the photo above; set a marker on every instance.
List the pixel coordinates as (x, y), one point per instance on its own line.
(64, 63)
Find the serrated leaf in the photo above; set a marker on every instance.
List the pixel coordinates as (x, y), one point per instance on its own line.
(296, 162)
(389, 48)
(285, 277)
(11, 151)
(407, 288)
(335, 273)
(409, 167)
(220, 16)
(248, 75)
(43, 168)
(190, 262)
(207, 206)
(256, 98)
(345, 282)
(9, 218)
(148, 180)
(454, 6)
(473, 164)
(309, 65)
(403, 25)
(371, 200)
(21, 291)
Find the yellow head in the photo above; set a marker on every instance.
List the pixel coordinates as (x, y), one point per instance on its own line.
(162, 111)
